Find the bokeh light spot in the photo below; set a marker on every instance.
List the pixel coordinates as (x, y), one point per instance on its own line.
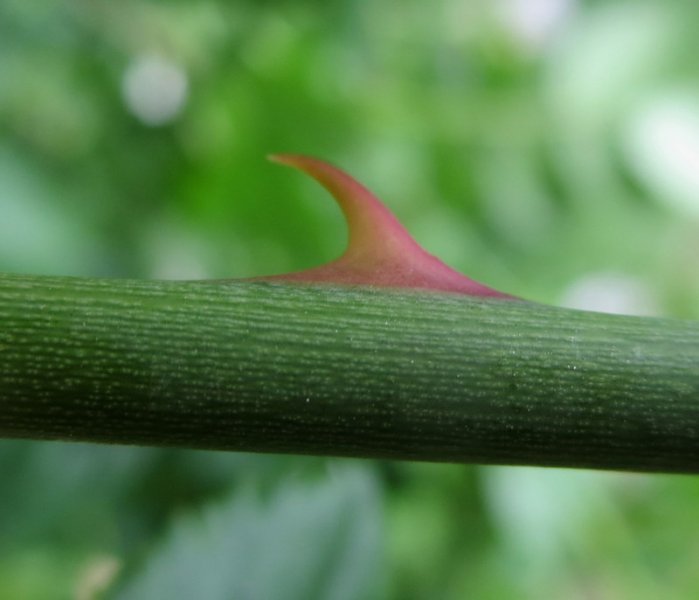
(662, 145)
(155, 89)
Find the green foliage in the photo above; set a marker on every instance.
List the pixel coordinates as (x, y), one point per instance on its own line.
(298, 540)
(530, 166)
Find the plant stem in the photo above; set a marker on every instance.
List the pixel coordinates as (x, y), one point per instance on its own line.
(345, 372)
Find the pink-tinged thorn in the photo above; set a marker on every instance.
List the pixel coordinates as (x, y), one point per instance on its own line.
(380, 252)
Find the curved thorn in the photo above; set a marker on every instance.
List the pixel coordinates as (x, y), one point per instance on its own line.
(380, 252)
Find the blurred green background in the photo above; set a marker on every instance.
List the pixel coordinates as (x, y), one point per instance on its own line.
(549, 148)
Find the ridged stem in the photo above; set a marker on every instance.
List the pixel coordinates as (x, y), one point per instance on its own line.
(347, 372)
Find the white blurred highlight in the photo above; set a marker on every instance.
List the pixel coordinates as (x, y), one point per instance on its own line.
(534, 22)
(662, 145)
(611, 293)
(155, 89)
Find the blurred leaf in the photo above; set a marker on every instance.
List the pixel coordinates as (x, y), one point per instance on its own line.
(36, 234)
(38, 574)
(63, 491)
(306, 540)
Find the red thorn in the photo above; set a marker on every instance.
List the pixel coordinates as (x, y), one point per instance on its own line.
(380, 251)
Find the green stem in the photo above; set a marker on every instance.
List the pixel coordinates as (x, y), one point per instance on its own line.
(347, 372)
